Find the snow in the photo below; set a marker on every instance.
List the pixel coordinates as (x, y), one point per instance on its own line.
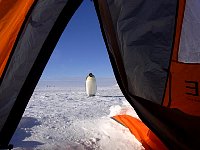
(60, 116)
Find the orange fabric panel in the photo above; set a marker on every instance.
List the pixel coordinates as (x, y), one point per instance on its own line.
(181, 9)
(184, 88)
(142, 133)
(12, 15)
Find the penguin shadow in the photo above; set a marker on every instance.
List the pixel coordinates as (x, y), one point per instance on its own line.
(111, 96)
(24, 131)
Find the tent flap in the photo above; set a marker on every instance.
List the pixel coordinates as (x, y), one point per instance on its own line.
(144, 32)
(43, 28)
(142, 38)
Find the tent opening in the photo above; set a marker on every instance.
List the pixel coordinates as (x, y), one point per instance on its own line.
(59, 113)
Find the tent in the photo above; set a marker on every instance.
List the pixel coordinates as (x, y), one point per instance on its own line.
(153, 46)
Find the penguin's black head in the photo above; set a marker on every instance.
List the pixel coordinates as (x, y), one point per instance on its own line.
(91, 75)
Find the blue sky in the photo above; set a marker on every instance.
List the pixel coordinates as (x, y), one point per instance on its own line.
(81, 48)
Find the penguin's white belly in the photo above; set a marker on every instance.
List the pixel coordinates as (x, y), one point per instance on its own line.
(91, 87)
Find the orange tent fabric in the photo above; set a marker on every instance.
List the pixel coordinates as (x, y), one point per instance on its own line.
(142, 133)
(13, 13)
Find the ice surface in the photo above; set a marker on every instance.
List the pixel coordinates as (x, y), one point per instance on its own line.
(61, 116)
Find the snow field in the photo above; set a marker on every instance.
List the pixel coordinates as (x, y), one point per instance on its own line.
(61, 117)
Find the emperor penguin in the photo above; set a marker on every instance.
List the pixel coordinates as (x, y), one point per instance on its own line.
(90, 85)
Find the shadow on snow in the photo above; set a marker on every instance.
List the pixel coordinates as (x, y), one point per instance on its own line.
(111, 96)
(23, 131)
